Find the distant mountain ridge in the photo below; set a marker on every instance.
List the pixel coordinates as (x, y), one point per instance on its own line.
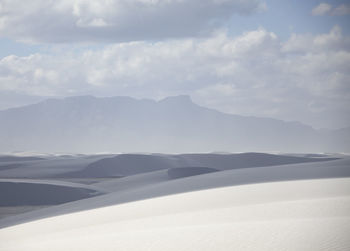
(174, 124)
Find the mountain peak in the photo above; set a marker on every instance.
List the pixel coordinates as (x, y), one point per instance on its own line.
(78, 98)
(180, 99)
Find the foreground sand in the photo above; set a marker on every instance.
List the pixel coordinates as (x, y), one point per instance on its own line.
(288, 215)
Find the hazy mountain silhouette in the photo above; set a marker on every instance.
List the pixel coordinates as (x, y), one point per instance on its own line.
(174, 124)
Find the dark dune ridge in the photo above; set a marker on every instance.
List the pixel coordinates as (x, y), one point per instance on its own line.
(123, 165)
(10, 166)
(31, 194)
(245, 160)
(131, 164)
(7, 158)
(50, 167)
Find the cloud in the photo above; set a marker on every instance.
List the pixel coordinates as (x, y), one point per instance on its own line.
(305, 78)
(334, 40)
(342, 10)
(327, 9)
(321, 9)
(63, 21)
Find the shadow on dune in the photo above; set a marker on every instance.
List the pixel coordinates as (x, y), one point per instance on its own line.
(182, 172)
(31, 194)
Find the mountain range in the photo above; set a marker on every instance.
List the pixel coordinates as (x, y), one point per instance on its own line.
(171, 125)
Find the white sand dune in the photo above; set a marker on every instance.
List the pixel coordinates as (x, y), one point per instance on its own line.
(289, 215)
(155, 184)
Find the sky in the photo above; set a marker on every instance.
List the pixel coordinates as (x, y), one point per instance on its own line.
(281, 59)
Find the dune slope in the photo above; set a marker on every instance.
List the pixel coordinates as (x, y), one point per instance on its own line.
(155, 184)
(290, 215)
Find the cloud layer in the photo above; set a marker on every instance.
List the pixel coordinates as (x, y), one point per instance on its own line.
(305, 78)
(327, 9)
(116, 20)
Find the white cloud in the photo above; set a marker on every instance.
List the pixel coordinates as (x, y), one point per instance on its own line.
(321, 9)
(116, 20)
(342, 10)
(305, 78)
(327, 9)
(334, 40)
